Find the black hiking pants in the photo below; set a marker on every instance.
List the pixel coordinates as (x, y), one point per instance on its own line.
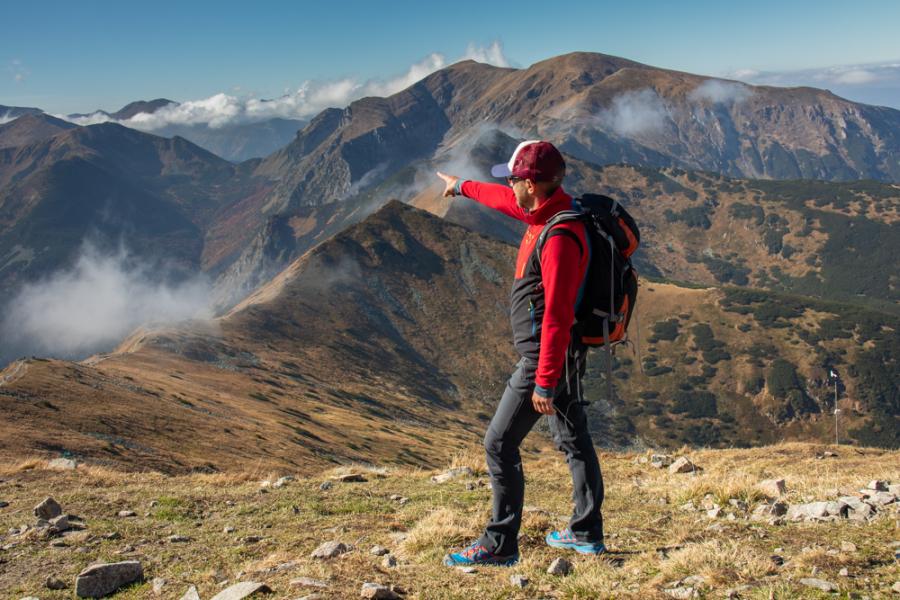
(514, 418)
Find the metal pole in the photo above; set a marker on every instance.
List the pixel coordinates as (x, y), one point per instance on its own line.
(836, 412)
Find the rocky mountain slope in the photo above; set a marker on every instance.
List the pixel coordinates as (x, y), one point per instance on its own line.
(714, 531)
(390, 342)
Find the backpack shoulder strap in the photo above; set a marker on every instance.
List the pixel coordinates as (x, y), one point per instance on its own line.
(550, 230)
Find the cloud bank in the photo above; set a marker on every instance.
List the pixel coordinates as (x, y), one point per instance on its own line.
(634, 113)
(311, 97)
(721, 92)
(93, 305)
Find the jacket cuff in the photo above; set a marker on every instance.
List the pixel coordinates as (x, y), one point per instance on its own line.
(543, 392)
(457, 189)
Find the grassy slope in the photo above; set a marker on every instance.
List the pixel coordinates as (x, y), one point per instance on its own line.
(653, 542)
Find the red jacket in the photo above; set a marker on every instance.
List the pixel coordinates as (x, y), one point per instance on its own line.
(562, 272)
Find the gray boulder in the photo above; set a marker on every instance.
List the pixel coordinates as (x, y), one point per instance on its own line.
(103, 579)
(330, 550)
(191, 594)
(682, 465)
(63, 464)
(48, 509)
(559, 566)
(376, 591)
(819, 584)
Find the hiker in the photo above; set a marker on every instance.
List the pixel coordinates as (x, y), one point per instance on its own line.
(547, 378)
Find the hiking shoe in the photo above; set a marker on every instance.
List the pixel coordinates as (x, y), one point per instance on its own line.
(477, 554)
(566, 539)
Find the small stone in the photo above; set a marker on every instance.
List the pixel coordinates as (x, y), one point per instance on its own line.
(55, 583)
(709, 502)
(773, 488)
(60, 523)
(154, 504)
(59, 543)
(682, 465)
(714, 512)
(467, 570)
(848, 547)
(389, 561)
(403, 500)
(330, 550)
(452, 474)
(518, 580)
(178, 539)
(376, 591)
(103, 579)
(878, 485)
(252, 539)
(228, 529)
(158, 584)
(681, 593)
(844, 572)
(282, 481)
(660, 461)
(3, 504)
(242, 590)
(395, 497)
(62, 464)
(559, 566)
(47, 509)
(777, 560)
(738, 504)
(127, 513)
(326, 485)
(688, 506)
(896, 588)
(821, 584)
(379, 550)
(191, 594)
(882, 498)
(309, 582)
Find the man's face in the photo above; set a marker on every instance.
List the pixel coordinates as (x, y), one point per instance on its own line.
(524, 191)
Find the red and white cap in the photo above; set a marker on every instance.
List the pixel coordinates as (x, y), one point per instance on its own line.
(535, 160)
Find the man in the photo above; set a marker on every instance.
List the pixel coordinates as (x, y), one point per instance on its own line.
(545, 293)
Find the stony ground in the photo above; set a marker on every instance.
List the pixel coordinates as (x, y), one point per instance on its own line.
(236, 528)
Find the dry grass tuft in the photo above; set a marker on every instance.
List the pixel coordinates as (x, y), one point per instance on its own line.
(432, 536)
(719, 561)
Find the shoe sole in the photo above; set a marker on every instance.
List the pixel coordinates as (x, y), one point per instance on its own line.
(577, 548)
(449, 562)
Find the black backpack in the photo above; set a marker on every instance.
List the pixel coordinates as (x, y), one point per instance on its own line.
(603, 316)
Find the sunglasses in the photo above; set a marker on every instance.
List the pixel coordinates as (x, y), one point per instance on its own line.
(512, 180)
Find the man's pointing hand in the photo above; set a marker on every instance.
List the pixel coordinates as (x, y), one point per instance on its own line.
(450, 181)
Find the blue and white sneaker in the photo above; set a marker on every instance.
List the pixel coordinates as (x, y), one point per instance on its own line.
(566, 539)
(477, 554)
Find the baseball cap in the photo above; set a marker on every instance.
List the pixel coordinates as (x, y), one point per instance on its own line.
(535, 160)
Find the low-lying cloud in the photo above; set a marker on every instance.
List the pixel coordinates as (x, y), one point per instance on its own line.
(634, 113)
(311, 97)
(93, 305)
(721, 92)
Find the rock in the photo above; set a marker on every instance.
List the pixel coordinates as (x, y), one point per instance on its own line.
(376, 591)
(127, 513)
(60, 523)
(389, 561)
(857, 509)
(325, 485)
(3, 504)
(228, 529)
(848, 547)
(878, 485)
(894, 488)
(59, 543)
(103, 579)
(882, 498)
(896, 588)
(821, 584)
(191, 594)
(47, 509)
(844, 572)
(660, 461)
(559, 566)
(252, 539)
(241, 590)
(112, 535)
(158, 584)
(452, 474)
(309, 582)
(738, 504)
(467, 570)
(379, 550)
(777, 560)
(709, 502)
(330, 550)
(350, 478)
(714, 512)
(682, 465)
(817, 510)
(178, 539)
(282, 481)
(518, 580)
(773, 488)
(395, 497)
(55, 583)
(403, 500)
(688, 506)
(62, 464)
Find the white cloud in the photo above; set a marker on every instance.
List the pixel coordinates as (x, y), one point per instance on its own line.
(856, 77)
(17, 70)
(634, 113)
(721, 92)
(308, 99)
(94, 305)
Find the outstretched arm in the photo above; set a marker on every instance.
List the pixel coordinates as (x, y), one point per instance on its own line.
(493, 195)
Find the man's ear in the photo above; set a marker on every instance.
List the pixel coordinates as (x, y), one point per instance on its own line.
(529, 185)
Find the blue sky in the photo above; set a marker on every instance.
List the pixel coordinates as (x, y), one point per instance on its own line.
(77, 57)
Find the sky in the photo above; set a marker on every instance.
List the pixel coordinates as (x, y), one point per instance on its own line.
(225, 56)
